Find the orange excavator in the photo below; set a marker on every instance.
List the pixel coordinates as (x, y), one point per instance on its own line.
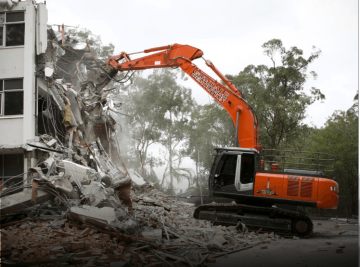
(255, 178)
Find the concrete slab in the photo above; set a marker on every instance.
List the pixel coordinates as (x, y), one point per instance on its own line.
(22, 200)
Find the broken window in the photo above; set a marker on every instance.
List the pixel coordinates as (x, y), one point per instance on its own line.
(12, 29)
(11, 169)
(11, 97)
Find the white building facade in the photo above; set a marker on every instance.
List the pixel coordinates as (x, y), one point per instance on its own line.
(23, 37)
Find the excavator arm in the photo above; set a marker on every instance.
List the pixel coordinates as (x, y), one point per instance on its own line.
(228, 96)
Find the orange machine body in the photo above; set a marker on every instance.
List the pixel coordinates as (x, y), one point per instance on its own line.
(320, 191)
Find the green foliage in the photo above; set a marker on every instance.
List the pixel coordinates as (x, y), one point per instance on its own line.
(340, 137)
(277, 94)
(210, 127)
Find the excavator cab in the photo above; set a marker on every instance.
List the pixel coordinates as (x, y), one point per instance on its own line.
(233, 171)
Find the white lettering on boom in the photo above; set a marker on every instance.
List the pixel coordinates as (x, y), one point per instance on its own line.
(220, 94)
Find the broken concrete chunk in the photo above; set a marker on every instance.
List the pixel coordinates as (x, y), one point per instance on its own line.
(220, 239)
(147, 199)
(63, 183)
(18, 201)
(56, 250)
(51, 143)
(130, 226)
(215, 242)
(95, 192)
(214, 247)
(155, 234)
(58, 223)
(100, 217)
(77, 172)
(187, 228)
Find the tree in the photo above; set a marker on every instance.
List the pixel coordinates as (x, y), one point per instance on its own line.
(178, 102)
(145, 104)
(210, 127)
(340, 138)
(277, 93)
(174, 170)
(158, 107)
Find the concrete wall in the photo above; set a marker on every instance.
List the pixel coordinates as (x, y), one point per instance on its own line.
(29, 73)
(19, 62)
(12, 131)
(11, 62)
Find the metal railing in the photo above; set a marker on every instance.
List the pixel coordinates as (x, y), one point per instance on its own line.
(299, 160)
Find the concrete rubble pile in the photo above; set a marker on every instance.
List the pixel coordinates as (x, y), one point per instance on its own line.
(160, 232)
(80, 205)
(82, 167)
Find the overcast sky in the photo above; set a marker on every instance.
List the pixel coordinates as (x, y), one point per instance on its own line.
(230, 33)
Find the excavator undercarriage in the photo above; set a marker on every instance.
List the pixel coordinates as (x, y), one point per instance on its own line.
(270, 219)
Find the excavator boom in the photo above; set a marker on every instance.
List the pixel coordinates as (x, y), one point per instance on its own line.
(226, 95)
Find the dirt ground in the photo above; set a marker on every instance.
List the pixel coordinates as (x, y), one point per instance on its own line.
(319, 250)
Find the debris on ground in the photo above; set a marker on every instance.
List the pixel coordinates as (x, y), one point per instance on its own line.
(343, 221)
(159, 230)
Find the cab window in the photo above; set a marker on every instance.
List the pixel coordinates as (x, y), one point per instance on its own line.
(225, 170)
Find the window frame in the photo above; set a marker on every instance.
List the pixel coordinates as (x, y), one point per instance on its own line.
(2, 97)
(3, 45)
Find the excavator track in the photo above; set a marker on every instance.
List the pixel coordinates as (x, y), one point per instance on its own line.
(279, 221)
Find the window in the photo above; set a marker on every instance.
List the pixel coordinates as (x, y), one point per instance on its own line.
(247, 168)
(11, 165)
(226, 170)
(12, 29)
(11, 97)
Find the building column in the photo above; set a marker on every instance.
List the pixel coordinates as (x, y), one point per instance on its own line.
(29, 72)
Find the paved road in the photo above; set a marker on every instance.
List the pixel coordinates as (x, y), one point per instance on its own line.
(310, 252)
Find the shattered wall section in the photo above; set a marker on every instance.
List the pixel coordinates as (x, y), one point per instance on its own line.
(82, 169)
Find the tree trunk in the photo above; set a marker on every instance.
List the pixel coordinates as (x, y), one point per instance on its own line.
(170, 158)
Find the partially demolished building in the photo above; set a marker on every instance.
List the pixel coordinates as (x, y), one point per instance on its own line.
(58, 130)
